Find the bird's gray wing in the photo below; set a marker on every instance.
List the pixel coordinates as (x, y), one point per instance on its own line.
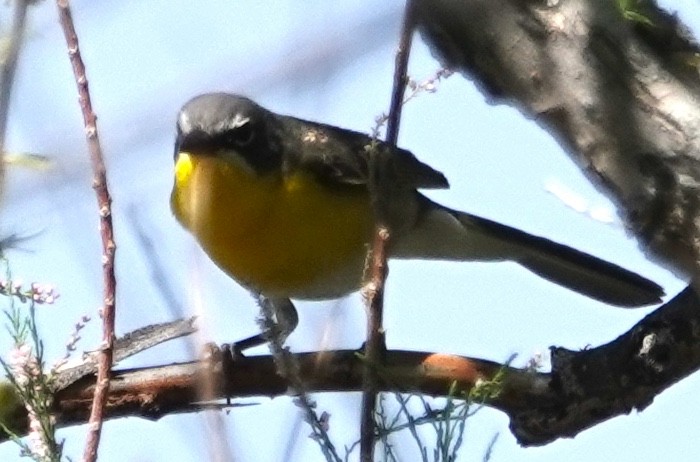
(340, 157)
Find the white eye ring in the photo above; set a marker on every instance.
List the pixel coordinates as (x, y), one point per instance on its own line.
(239, 131)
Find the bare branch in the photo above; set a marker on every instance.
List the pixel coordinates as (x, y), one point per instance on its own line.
(376, 343)
(583, 389)
(106, 231)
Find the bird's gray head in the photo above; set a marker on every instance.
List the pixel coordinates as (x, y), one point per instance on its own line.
(223, 123)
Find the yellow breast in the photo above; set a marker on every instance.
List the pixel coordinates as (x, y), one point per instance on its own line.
(283, 236)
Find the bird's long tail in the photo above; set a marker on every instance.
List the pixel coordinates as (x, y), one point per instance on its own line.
(445, 234)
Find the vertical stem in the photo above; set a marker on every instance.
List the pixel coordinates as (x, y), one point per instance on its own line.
(375, 344)
(106, 231)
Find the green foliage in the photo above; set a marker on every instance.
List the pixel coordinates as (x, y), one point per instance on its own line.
(448, 422)
(633, 10)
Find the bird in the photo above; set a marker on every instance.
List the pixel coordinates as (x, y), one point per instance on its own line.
(283, 206)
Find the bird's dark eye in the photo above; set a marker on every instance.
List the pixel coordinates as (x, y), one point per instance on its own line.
(240, 136)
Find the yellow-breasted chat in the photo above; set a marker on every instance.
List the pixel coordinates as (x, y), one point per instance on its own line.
(282, 206)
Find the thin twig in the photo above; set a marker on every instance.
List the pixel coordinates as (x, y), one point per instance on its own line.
(106, 231)
(8, 64)
(400, 75)
(126, 346)
(288, 366)
(375, 344)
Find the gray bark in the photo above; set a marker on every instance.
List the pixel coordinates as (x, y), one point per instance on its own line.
(620, 92)
(620, 96)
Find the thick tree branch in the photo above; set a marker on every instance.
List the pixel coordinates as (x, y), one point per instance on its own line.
(590, 386)
(620, 95)
(584, 388)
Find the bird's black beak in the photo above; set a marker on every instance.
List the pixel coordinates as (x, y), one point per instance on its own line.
(195, 142)
(178, 143)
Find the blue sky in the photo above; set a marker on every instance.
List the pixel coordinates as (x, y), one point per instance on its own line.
(330, 62)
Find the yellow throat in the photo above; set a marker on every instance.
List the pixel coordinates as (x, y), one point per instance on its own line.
(286, 236)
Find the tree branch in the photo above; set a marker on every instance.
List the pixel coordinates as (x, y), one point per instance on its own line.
(620, 95)
(379, 268)
(104, 203)
(619, 90)
(583, 389)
